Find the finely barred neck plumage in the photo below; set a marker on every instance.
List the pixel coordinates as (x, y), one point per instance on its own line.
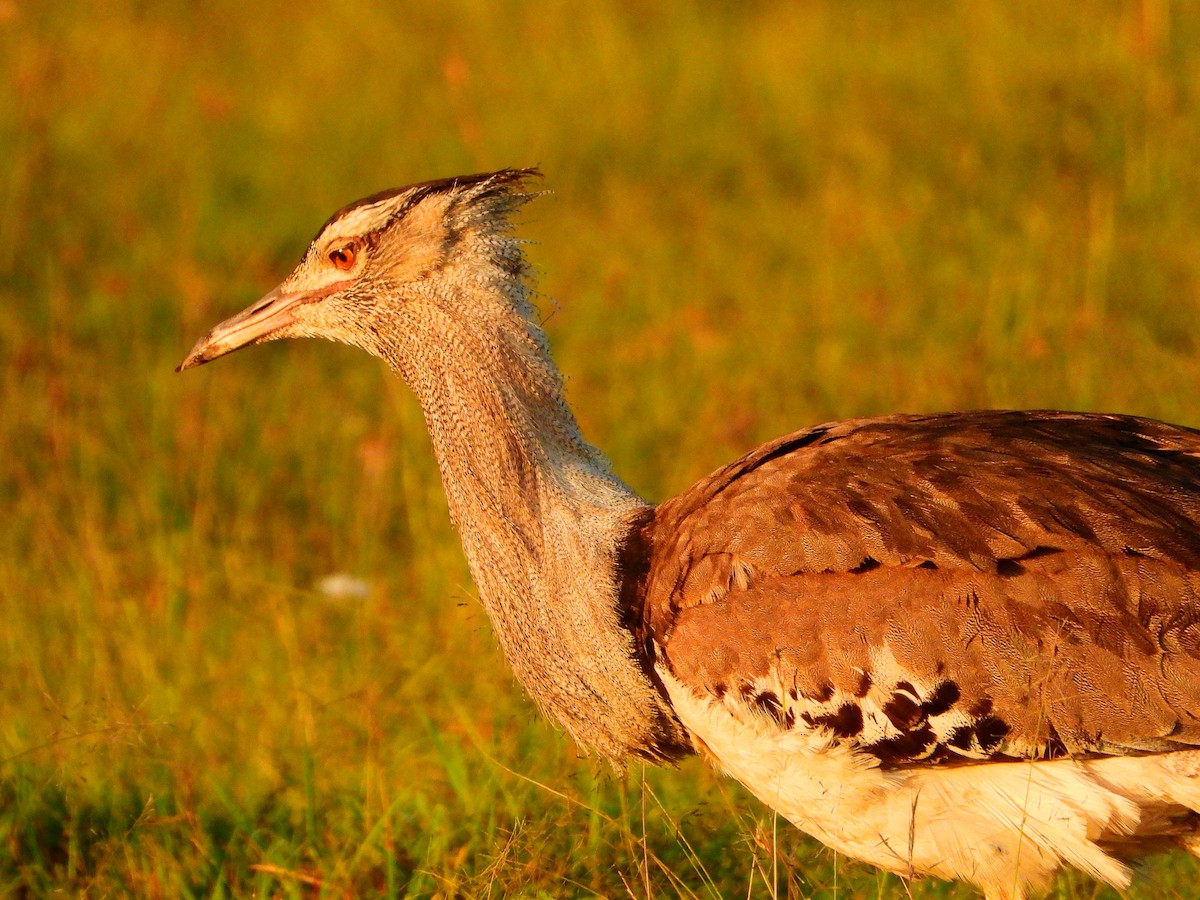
(430, 279)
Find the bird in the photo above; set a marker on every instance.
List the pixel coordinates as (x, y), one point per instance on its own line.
(963, 645)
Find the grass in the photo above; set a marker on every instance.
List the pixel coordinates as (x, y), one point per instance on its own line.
(765, 215)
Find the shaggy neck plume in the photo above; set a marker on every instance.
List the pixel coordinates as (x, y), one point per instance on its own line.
(541, 516)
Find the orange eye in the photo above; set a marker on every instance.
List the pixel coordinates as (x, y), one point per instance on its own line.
(343, 257)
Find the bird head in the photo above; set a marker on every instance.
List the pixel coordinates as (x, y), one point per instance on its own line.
(373, 258)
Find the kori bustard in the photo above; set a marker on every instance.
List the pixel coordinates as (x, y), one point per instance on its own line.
(964, 645)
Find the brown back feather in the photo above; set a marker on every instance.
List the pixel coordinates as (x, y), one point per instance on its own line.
(1033, 576)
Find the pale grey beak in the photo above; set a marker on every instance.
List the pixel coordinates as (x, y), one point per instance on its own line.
(255, 324)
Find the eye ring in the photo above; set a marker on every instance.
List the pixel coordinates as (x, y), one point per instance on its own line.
(344, 257)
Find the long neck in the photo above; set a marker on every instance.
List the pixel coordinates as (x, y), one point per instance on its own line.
(542, 520)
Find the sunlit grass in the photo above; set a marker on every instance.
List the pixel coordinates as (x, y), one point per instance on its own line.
(764, 215)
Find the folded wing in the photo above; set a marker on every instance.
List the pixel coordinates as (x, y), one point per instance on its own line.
(944, 588)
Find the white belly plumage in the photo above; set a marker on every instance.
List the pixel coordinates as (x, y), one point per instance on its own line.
(1005, 826)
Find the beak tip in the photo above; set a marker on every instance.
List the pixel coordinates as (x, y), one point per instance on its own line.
(204, 350)
(190, 361)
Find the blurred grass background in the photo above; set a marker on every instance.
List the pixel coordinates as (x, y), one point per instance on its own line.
(765, 214)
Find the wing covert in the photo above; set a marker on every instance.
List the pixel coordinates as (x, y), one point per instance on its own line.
(945, 587)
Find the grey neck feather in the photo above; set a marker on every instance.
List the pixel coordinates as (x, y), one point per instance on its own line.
(540, 513)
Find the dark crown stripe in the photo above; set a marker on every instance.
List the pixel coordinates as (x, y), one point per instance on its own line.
(504, 178)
